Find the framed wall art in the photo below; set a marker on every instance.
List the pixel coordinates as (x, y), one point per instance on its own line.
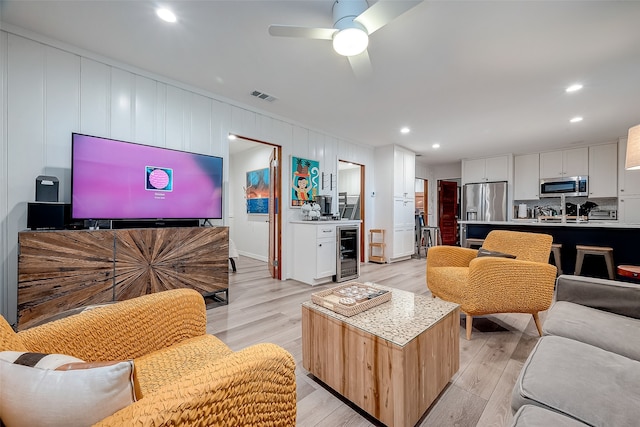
(257, 191)
(305, 180)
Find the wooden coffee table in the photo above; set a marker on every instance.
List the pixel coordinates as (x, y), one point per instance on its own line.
(392, 360)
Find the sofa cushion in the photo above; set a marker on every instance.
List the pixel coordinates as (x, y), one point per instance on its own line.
(166, 366)
(60, 390)
(590, 384)
(612, 332)
(607, 295)
(535, 416)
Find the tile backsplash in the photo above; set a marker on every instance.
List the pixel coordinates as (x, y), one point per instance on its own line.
(610, 203)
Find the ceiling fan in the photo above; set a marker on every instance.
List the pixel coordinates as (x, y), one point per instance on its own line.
(353, 22)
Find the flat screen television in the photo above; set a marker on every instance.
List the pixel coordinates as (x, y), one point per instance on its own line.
(113, 179)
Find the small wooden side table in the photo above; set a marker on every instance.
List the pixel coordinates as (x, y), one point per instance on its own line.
(376, 246)
(631, 271)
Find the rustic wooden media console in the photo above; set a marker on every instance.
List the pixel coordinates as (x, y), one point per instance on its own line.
(63, 270)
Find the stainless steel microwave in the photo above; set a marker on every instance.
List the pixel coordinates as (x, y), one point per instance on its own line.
(568, 185)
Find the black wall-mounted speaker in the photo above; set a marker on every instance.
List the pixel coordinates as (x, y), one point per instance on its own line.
(54, 216)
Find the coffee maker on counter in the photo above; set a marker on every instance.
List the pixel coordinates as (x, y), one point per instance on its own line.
(325, 205)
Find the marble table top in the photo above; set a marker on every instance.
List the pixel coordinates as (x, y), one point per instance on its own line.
(399, 320)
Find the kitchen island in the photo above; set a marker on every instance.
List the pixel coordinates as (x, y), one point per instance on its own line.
(623, 238)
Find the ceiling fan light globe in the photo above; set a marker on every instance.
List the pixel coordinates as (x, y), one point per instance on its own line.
(350, 41)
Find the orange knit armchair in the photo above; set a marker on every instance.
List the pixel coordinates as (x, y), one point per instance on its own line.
(487, 285)
(185, 376)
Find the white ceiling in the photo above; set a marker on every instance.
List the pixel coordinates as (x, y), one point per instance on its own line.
(478, 77)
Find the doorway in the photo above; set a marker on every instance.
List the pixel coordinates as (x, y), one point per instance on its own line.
(448, 211)
(255, 200)
(350, 192)
(422, 199)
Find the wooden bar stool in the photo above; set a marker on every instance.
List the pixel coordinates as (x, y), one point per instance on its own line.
(431, 236)
(604, 251)
(555, 250)
(474, 242)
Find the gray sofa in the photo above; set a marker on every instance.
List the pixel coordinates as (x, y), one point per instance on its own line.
(585, 370)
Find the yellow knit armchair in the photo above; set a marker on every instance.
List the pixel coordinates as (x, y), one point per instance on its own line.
(185, 377)
(487, 285)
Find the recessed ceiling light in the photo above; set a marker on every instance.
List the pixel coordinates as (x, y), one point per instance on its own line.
(232, 136)
(405, 130)
(166, 15)
(436, 146)
(576, 120)
(574, 87)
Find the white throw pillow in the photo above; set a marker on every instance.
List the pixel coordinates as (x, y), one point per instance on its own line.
(59, 390)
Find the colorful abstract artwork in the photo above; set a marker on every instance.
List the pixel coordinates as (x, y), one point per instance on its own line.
(257, 191)
(305, 180)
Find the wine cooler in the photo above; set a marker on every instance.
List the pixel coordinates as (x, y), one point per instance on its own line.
(348, 253)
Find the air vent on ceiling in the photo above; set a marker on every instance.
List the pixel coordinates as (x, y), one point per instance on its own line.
(263, 95)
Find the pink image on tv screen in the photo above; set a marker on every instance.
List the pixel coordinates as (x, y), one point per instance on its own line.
(159, 178)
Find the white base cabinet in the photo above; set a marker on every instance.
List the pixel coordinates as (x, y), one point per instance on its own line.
(315, 250)
(404, 227)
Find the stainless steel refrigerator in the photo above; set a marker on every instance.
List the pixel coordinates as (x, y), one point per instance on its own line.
(485, 201)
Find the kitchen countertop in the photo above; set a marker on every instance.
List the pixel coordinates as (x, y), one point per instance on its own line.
(535, 223)
(323, 222)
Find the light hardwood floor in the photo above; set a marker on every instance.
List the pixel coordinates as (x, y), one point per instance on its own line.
(265, 310)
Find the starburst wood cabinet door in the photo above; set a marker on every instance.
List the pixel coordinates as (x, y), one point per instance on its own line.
(60, 270)
(154, 260)
(64, 270)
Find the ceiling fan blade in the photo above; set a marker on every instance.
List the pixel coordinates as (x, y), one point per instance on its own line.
(383, 12)
(361, 65)
(303, 32)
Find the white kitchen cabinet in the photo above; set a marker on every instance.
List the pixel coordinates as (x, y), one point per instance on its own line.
(404, 227)
(488, 169)
(404, 242)
(629, 209)
(556, 164)
(551, 165)
(404, 166)
(526, 177)
(628, 181)
(314, 252)
(473, 170)
(325, 258)
(497, 168)
(603, 170)
(394, 201)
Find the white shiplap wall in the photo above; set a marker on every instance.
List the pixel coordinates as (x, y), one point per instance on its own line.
(50, 90)
(4, 181)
